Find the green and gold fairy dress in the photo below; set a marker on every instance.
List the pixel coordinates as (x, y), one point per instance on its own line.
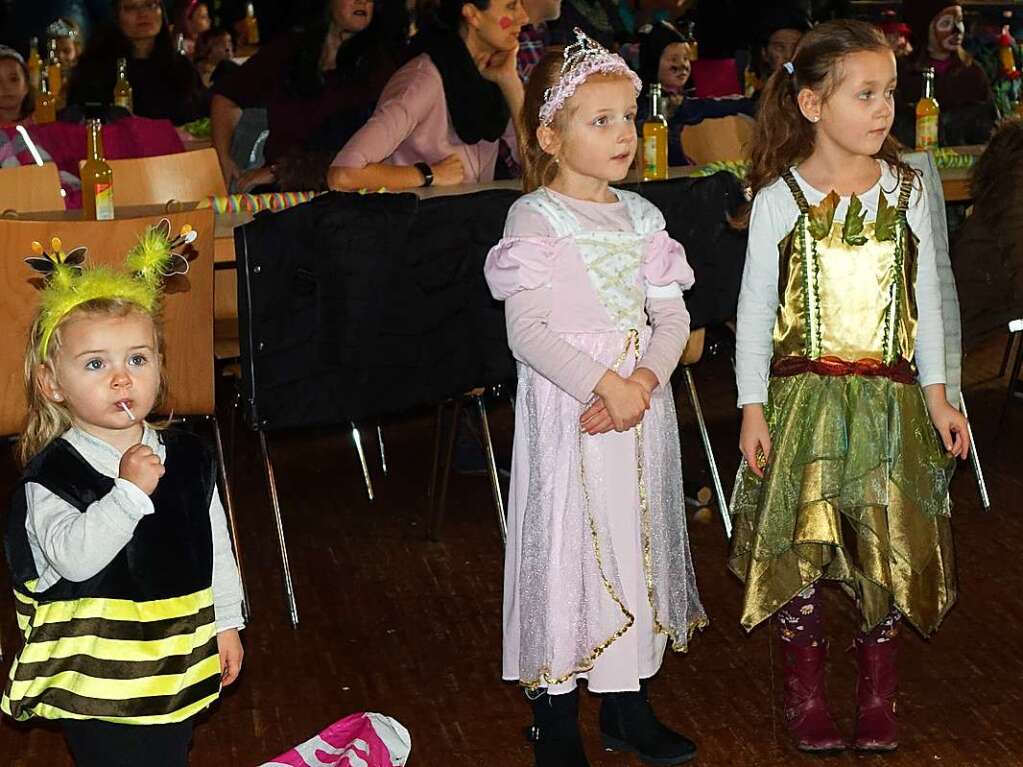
(857, 486)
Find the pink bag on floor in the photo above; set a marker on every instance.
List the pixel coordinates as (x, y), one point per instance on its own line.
(359, 740)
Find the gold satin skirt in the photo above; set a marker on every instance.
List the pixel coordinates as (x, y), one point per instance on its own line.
(856, 492)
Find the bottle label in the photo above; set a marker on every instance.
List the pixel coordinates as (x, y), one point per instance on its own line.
(650, 156)
(927, 132)
(104, 202)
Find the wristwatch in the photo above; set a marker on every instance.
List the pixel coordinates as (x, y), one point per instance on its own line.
(427, 172)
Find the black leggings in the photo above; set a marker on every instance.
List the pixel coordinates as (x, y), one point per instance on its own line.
(102, 744)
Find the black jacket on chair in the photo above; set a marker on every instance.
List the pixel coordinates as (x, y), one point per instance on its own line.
(353, 306)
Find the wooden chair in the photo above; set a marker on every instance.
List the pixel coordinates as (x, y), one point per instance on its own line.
(718, 140)
(30, 188)
(185, 177)
(188, 316)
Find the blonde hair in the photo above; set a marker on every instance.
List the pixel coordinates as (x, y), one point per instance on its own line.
(47, 419)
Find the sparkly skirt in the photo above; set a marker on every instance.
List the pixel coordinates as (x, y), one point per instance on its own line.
(598, 573)
(856, 492)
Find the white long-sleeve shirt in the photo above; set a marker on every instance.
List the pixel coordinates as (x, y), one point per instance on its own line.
(773, 216)
(68, 544)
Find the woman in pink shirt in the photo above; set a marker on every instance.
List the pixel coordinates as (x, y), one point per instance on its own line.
(441, 117)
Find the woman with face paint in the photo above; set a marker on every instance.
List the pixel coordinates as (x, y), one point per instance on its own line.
(962, 89)
(442, 117)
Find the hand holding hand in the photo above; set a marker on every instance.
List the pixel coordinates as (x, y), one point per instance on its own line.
(142, 467)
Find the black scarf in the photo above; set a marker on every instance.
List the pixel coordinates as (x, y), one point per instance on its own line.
(476, 105)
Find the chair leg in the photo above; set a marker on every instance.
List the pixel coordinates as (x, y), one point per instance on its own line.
(285, 566)
(1005, 355)
(383, 452)
(495, 484)
(978, 472)
(431, 489)
(231, 521)
(357, 441)
(705, 436)
(440, 503)
(1011, 390)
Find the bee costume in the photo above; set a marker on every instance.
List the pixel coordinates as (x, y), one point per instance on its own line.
(136, 643)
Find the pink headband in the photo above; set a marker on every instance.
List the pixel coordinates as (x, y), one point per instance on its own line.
(583, 58)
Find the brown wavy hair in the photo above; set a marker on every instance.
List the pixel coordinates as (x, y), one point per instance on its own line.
(47, 419)
(782, 136)
(538, 167)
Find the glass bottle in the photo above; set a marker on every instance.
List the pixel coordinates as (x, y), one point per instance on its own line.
(97, 178)
(655, 139)
(34, 64)
(53, 70)
(122, 88)
(927, 114)
(46, 102)
(251, 26)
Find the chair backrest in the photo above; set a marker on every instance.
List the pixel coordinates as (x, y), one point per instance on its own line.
(188, 315)
(720, 139)
(184, 176)
(30, 188)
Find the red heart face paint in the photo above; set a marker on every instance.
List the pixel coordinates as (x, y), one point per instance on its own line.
(506, 22)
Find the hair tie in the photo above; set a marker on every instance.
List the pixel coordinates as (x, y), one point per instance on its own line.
(789, 68)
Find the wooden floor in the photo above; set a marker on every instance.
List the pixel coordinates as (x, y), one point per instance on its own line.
(393, 623)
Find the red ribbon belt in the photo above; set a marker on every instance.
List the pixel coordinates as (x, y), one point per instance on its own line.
(900, 371)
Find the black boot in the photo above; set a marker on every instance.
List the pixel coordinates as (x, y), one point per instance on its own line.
(627, 723)
(555, 730)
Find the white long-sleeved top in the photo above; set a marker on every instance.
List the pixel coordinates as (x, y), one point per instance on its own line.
(75, 546)
(773, 216)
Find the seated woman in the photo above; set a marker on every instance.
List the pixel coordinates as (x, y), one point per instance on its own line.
(164, 83)
(322, 78)
(16, 103)
(987, 253)
(214, 50)
(442, 116)
(968, 112)
(664, 57)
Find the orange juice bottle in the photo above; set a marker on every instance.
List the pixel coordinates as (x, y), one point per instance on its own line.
(46, 102)
(251, 26)
(122, 88)
(34, 64)
(927, 114)
(655, 139)
(54, 71)
(97, 178)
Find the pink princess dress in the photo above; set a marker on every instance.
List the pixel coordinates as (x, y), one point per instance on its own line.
(598, 574)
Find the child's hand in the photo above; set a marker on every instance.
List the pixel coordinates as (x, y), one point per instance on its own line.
(597, 420)
(229, 645)
(142, 467)
(755, 438)
(626, 400)
(950, 423)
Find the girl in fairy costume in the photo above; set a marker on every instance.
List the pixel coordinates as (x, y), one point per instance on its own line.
(847, 435)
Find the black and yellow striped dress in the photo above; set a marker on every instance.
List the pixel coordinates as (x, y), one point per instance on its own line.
(136, 643)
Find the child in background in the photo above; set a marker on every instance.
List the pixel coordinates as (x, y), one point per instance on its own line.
(598, 575)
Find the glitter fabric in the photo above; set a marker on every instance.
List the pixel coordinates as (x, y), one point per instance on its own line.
(857, 486)
(599, 577)
(583, 59)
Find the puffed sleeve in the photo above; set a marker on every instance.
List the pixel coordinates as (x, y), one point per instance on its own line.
(665, 269)
(518, 270)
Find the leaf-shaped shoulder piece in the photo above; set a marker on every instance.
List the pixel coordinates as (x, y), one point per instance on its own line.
(852, 228)
(822, 216)
(887, 220)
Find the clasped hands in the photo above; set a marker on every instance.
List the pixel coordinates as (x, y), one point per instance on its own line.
(620, 402)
